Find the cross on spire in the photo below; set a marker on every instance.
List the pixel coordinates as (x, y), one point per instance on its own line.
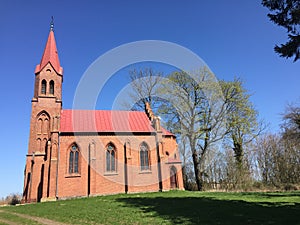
(52, 23)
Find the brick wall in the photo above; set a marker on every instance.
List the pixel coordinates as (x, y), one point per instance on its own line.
(102, 182)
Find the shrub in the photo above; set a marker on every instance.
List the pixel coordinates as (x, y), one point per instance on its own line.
(11, 199)
(290, 187)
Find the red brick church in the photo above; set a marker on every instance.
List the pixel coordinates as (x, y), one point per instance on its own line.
(76, 153)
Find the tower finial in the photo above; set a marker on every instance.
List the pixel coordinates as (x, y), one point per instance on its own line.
(52, 23)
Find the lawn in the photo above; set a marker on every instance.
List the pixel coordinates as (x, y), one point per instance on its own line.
(174, 207)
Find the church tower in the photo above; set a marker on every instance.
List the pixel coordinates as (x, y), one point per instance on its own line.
(41, 159)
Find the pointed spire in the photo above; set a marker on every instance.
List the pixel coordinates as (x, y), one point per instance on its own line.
(50, 54)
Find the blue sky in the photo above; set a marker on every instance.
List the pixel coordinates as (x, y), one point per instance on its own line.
(233, 37)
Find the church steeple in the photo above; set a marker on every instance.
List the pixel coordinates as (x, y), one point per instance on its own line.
(46, 106)
(49, 73)
(50, 54)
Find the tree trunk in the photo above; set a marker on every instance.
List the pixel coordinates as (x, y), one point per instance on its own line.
(238, 153)
(184, 176)
(198, 174)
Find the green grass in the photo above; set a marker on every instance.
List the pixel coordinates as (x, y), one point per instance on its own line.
(174, 207)
(15, 219)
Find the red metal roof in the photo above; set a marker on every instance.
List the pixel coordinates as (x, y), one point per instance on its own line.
(50, 55)
(166, 132)
(105, 121)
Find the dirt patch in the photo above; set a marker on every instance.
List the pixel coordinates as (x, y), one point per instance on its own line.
(35, 218)
(8, 222)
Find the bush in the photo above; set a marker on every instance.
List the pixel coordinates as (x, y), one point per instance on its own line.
(11, 199)
(15, 200)
(258, 185)
(191, 186)
(290, 187)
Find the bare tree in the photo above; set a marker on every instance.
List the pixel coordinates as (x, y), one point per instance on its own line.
(144, 85)
(186, 169)
(291, 122)
(290, 139)
(266, 147)
(215, 169)
(279, 160)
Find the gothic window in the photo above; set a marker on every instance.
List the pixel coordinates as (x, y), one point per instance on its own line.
(110, 158)
(144, 156)
(42, 124)
(51, 84)
(45, 126)
(74, 159)
(44, 86)
(39, 126)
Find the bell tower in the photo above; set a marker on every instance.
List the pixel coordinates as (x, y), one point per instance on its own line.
(41, 159)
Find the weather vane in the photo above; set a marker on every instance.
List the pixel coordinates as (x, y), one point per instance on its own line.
(52, 23)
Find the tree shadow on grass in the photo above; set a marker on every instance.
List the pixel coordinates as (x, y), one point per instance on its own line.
(204, 210)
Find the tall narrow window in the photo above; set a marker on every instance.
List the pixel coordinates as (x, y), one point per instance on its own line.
(51, 86)
(43, 88)
(39, 126)
(144, 157)
(110, 158)
(45, 127)
(74, 159)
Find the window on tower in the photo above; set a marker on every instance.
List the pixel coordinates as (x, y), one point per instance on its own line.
(43, 88)
(51, 84)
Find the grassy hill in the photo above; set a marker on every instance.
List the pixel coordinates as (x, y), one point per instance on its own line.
(174, 207)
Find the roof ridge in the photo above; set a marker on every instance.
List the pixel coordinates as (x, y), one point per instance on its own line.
(103, 110)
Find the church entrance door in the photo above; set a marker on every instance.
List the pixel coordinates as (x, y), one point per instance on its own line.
(173, 178)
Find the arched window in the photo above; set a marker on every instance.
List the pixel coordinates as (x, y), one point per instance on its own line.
(74, 159)
(43, 88)
(144, 156)
(45, 127)
(42, 124)
(110, 158)
(51, 85)
(39, 126)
